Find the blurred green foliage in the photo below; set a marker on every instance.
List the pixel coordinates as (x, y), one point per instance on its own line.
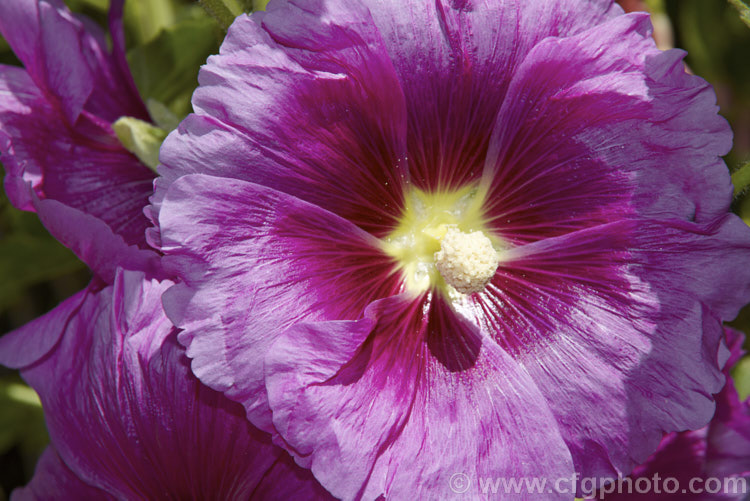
(260, 4)
(36, 271)
(741, 375)
(743, 9)
(23, 435)
(167, 73)
(29, 254)
(168, 40)
(718, 45)
(224, 11)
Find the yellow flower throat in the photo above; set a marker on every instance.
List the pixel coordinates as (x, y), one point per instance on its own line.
(442, 242)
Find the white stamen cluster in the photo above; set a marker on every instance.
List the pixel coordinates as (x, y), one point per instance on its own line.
(467, 261)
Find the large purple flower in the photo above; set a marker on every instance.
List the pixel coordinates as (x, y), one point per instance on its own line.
(709, 464)
(61, 154)
(422, 238)
(127, 419)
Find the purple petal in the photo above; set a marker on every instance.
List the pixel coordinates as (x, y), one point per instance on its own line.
(729, 436)
(67, 60)
(680, 457)
(601, 125)
(18, 95)
(354, 399)
(286, 481)
(56, 138)
(94, 242)
(718, 452)
(120, 70)
(283, 67)
(703, 261)
(728, 453)
(126, 415)
(454, 60)
(631, 349)
(53, 481)
(49, 42)
(255, 261)
(310, 106)
(84, 167)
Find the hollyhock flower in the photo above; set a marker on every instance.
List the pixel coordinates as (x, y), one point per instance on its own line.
(715, 458)
(416, 239)
(61, 154)
(127, 419)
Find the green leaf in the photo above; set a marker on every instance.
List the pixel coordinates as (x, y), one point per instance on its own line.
(79, 5)
(21, 419)
(743, 9)
(743, 209)
(166, 69)
(161, 115)
(741, 179)
(718, 43)
(224, 11)
(27, 260)
(7, 57)
(145, 19)
(655, 6)
(28, 253)
(741, 375)
(259, 4)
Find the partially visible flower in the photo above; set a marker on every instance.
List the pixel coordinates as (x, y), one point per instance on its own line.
(127, 419)
(709, 464)
(62, 156)
(340, 146)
